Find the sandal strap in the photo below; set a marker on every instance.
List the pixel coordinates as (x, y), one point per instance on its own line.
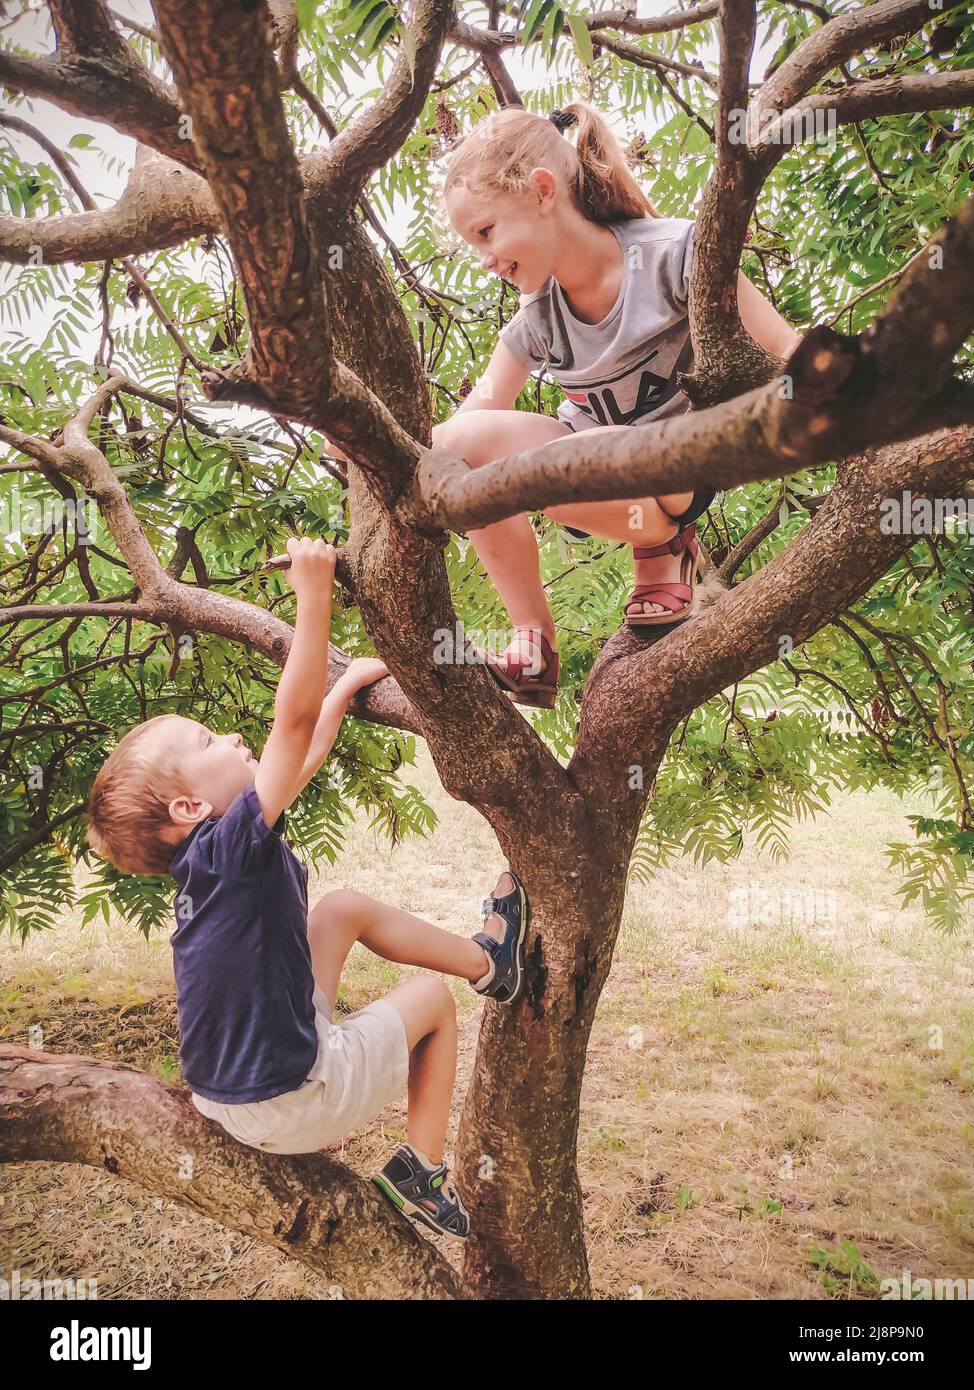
(674, 590)
(490, 946)
(514, 664)
(536, 635)
(671, 596)
(674, 546)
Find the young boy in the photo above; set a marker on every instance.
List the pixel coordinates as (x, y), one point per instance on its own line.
(256, 977)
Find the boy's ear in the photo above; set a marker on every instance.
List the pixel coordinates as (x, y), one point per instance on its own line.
(188, 810)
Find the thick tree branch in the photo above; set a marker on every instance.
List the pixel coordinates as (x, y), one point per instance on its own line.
(96, 73)
(840, 395)
(163, 204)
(163, 599)
(482, 746)
(368, 141)
(638, 692)
(84, 27)
(842, 38)
(218, 52)
(883, 96)
(222, 58)
(58, 1108)
(727, 360)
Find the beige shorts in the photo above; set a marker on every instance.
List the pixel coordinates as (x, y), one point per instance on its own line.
(361, 1067)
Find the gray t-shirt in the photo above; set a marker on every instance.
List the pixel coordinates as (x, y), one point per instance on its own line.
(622, 370)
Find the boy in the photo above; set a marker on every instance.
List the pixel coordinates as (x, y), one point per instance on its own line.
(256, 977)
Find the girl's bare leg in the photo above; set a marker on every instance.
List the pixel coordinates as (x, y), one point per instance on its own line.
(638, 521)
(508, 549)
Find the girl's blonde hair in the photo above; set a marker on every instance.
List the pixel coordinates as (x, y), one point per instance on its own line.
(500, 152)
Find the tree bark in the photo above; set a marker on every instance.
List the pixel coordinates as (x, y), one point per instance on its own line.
(516, 1154)
(58, 1108)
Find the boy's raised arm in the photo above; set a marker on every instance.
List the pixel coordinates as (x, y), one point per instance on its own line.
(301, 690)
(363, 670)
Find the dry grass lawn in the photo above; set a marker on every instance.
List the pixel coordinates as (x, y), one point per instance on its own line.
(766, 1079)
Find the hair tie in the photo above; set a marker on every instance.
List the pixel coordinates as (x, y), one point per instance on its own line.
(561, 120)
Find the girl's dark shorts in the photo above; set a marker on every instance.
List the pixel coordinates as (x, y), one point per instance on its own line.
(702, 499)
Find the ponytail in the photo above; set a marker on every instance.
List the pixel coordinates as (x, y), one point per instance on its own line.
(604, 187)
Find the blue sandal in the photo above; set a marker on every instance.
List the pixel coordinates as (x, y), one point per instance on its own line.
(423, 1193)
(504, 980)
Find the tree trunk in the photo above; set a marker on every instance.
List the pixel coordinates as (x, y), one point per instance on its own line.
(516, 1158)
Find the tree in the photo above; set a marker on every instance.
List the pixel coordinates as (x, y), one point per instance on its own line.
(266, 289)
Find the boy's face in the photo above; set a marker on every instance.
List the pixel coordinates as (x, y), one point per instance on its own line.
(513, 234)
(217, 768)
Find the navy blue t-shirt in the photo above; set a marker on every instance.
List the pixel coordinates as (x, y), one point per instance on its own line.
(244, 982)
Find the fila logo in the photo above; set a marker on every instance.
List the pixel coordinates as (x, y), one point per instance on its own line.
(602, 405)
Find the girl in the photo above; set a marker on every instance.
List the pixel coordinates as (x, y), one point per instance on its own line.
(604, 281)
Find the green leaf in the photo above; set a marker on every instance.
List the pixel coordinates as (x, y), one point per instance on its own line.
(551, 29)
(536, 14)
(581, 37)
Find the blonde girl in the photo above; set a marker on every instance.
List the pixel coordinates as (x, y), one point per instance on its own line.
(604, 282)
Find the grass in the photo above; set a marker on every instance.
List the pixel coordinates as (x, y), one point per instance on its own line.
(777, 1102)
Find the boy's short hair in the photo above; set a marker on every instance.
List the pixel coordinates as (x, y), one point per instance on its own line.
(128, 809)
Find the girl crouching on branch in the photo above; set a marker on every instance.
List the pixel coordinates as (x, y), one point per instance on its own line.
(604, 284)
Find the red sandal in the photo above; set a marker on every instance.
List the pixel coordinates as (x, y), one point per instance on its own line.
(539, 689)
(680, 598)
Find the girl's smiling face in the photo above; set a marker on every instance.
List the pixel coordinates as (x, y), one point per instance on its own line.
(511, 233)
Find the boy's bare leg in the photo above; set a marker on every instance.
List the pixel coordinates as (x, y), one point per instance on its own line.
(429, 1016)
(344, 917)
(424, 1003)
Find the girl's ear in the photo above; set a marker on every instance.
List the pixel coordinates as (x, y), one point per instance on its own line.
(545, 184)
